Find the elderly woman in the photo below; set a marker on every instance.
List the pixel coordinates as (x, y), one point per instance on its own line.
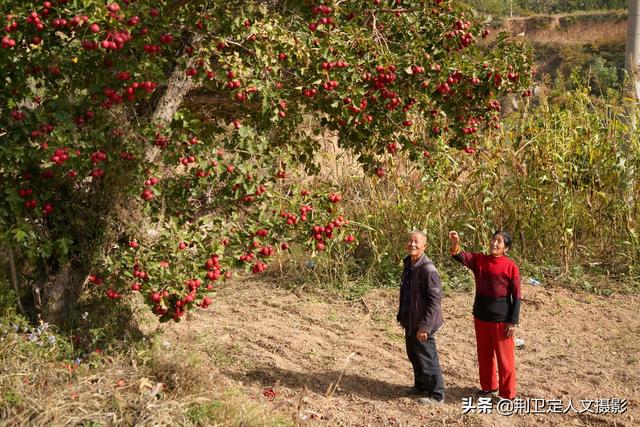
(496, 310)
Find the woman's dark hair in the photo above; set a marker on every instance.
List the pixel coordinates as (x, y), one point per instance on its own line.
(505, 236)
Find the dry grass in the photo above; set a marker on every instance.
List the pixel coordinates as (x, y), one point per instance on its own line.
(141, 385)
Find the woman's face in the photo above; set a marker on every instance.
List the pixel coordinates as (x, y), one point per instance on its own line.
(497, 247)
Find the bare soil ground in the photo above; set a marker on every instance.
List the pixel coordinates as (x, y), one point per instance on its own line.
(289, 350)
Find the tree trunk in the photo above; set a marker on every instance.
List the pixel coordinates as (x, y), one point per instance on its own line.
(177, 87)
(56, 295)
(13, 276)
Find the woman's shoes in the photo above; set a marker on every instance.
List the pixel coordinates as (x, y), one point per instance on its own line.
(488, 393)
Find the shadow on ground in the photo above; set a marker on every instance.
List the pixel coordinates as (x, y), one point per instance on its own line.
(323, 383)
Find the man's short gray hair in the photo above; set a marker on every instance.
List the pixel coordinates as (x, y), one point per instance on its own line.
(419, 233)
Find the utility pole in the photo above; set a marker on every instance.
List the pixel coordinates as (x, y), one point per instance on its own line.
(632, 97)
(632, 56)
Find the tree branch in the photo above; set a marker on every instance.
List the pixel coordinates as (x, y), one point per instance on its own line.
(177, 4)
(201, 97)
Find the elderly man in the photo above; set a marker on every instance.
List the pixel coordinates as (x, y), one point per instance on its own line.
(420, 314)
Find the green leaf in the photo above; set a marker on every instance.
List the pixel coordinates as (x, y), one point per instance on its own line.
(20, 235)
(64, 243)
(245, 131)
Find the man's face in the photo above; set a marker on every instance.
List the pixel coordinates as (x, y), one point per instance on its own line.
(416, 245)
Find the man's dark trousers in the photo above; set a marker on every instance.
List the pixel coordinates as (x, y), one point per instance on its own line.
(426, 366)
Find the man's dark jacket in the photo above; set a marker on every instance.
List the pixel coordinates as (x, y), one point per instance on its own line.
(420, 296)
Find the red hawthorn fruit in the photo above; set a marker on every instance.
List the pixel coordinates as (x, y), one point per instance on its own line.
(113, 7)
(147, 194)
(113, 294)
(259, 267)
(135, 287)
(166, 38)
(182, 245)
(97, 173)
(269, 392)
(47, 209)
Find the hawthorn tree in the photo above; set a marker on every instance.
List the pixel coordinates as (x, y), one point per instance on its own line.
(148, 146)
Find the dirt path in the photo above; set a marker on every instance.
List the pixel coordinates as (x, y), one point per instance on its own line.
(260, 337)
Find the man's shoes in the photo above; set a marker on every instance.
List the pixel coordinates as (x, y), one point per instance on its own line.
(430, 401)
(488, 393)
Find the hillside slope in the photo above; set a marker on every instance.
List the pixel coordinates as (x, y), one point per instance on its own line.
(574, 28)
